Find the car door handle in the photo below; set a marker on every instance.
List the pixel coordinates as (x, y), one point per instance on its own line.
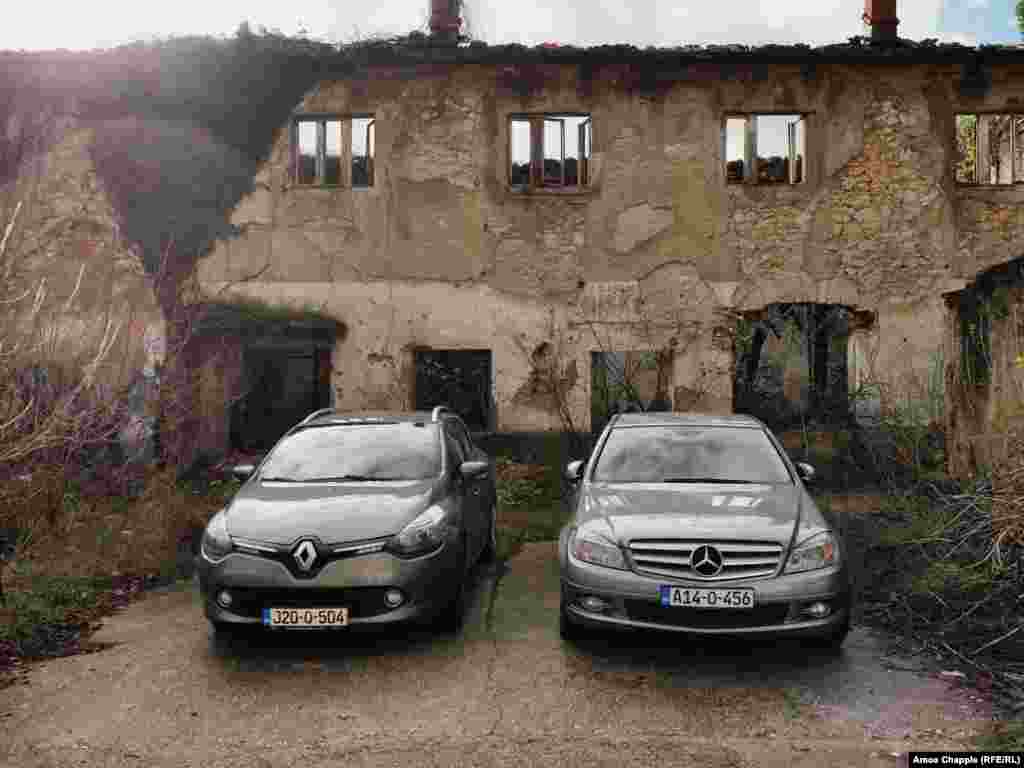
(475, 491)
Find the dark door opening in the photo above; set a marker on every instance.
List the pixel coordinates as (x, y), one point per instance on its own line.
(791, 363)
(282, 387)
(460, 379)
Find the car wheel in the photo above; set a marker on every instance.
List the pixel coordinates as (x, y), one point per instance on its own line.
(225, 636)
(567, 628)
(832, 642)
(453, 614)
(490, 550)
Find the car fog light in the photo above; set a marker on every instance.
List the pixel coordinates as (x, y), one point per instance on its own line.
(593, 604)
(225, 599)
(818, 610)
(394, 598)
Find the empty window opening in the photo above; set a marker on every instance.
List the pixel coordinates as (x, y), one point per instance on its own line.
(307, 153)
(362, 151)
(459, 378)
(628, 382)
(990, 149)
(549, 151)
(765, 149)
(519, 172)
(334, 151)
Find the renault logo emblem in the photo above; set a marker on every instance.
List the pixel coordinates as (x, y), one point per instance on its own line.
(706, 561)
(304, 555)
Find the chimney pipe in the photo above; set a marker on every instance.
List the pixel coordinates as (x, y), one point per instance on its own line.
(880, 20)
(445, 20)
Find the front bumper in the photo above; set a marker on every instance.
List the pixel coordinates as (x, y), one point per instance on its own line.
(634, 602)
(357, 583)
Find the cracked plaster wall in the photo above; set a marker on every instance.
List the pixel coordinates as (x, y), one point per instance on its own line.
(659, 250)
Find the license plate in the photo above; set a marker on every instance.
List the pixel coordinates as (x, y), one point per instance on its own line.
(304, 618)
(688, 597)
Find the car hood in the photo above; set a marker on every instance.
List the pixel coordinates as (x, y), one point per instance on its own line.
(334, 512)
(625, 511)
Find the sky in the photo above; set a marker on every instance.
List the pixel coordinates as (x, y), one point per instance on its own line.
(105, 23)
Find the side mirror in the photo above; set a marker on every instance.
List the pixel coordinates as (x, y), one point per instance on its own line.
(470, 469)
(806, 471)
(574, 471)
(242, 472)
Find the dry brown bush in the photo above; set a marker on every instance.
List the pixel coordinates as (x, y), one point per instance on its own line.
(1008, 492)
(61, 394)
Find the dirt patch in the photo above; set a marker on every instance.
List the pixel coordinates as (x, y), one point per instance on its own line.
(510, 470)
(864, 503)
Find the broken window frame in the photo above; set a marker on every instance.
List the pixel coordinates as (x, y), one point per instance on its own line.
(1016, 169)
(346, 157)
(537, 177)
(796, 172)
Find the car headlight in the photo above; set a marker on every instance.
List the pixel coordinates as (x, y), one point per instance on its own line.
(591, 549)
(423, 535)
(819, 551)
(216, 543)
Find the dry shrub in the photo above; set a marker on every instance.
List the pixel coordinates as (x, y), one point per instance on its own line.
(99, 536)
(506, 471)
(1008, 492)
(61, 395)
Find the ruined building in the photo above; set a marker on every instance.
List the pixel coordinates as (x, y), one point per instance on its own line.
(509, 214)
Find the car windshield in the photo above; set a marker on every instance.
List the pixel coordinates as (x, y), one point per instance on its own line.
(369, 452)
(682, 454)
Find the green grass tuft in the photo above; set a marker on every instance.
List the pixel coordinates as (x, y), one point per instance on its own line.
(51, 600)
(924, 521)
(945, 575)
(1004, 737)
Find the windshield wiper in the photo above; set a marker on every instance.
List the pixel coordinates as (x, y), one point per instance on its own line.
(348, 478)
(279, 480)
(708, 480)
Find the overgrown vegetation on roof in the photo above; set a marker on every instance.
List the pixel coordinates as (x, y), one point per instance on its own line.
(247, 315)
(182, 124)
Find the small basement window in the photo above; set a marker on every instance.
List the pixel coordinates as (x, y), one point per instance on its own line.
(765, 149)
(990, 149)
(549, 150)
(326, 147)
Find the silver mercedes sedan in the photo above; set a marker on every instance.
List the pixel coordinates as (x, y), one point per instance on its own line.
(699, 524)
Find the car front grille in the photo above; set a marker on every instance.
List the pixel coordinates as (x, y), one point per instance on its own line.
(362, 602)
(672, 558)
(766, 615)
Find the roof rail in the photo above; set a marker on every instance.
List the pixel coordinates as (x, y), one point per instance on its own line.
(316, 415)
(435, 415)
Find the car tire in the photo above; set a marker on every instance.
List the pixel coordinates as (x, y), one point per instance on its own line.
(490, 550)
(833, 642)
(570, 631)
(452, 616)
(225, 636)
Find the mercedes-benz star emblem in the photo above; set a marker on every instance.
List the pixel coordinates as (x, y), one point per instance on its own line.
(304, 554)
(707, 561)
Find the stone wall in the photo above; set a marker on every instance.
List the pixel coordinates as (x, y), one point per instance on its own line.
(658, 251)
